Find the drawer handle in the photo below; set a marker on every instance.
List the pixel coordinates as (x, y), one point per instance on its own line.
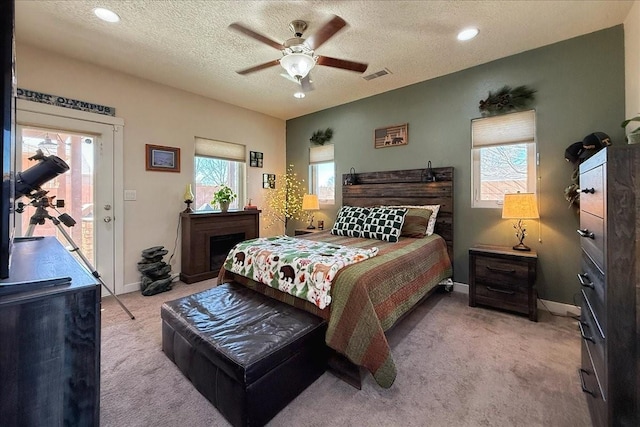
(587, 233)
(500, 270)
(588, 190)
(584, 281)
(502, 291)
(582, 383)
(581, 325)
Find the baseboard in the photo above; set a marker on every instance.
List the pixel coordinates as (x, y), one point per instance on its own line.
(463, 288)
(135, 287)
(558, 308)
(554, 307)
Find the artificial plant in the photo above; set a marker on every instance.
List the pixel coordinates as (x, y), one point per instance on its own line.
(320, 136)
(506, 100)
(224, 194)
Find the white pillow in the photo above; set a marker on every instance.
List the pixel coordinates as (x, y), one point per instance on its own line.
(431, 225)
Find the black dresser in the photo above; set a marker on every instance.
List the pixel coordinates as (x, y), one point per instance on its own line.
(610, 281)
(49, 339)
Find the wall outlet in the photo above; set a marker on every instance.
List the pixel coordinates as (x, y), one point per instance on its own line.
(130, 194)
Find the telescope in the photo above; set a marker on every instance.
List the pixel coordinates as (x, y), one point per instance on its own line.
(29, 182)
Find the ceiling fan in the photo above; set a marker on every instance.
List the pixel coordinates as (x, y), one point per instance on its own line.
(298, 54)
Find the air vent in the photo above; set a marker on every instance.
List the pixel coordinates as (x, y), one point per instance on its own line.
(377, 74)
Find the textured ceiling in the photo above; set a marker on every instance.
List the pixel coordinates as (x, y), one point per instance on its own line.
(188, 45)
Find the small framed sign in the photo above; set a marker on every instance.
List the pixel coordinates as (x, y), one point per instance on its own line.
(165, 159)
(391, 136)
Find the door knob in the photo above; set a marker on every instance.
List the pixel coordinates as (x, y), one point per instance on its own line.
(107, 219)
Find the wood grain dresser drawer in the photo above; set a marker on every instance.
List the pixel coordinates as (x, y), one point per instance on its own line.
(510, 298)
(592, 191)
(591, 388)
(595, 342)
(592, 237)
(502, 273)
(592, 283)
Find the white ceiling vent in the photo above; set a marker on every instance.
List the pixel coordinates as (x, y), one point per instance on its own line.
(377, 74)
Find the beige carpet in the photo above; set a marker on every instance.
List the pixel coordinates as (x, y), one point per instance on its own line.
(457, 366)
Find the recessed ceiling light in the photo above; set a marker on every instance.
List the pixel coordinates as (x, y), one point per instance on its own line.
(106, 14)
(299, 95)
(467, 34)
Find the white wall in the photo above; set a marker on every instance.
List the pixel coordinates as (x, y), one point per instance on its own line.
(156, 114)
(632, 62)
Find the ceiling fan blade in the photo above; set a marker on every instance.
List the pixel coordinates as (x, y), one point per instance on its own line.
(259, 67)
(306, 84)
(326, 32)
(248, 32)
(342, 63)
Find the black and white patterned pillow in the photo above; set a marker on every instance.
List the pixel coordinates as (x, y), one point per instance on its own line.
(384, 224)
(349, 221)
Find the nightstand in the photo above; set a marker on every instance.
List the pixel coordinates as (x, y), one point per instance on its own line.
(504, 278)
(302, 231)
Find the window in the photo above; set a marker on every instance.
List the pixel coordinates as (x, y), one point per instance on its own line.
(503, 157)
(217, 163)
(322, 173)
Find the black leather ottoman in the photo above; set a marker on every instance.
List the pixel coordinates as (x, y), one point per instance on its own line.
(248, 354)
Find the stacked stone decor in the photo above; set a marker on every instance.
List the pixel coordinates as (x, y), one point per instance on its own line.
(156, 275)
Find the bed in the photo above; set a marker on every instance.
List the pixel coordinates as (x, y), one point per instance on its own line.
(369, 297)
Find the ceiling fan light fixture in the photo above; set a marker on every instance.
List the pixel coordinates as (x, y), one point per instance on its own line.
(468, 34)
(298, 65)
(299, 95)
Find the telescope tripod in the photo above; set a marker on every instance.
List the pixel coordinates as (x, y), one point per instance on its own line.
(39, 218)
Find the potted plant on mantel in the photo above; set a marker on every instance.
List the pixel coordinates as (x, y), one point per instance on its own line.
(633, 137)
(223, 197)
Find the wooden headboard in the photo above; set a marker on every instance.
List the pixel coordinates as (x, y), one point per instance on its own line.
(406, 187)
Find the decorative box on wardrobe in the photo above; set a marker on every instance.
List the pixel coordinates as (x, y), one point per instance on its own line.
(610, 316)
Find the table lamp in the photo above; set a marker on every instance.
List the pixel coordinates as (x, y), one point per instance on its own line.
(520, 206)
(310, 203)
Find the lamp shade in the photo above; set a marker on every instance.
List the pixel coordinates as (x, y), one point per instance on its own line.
(297, 65)
(520, 206)
(310, 202)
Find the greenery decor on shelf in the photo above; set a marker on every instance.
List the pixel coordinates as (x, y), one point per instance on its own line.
(223, 197)
(633, 137)
(507, 100)
(285, 201)
(320, 136)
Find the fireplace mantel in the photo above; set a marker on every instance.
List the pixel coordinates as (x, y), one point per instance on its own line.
(208, 236)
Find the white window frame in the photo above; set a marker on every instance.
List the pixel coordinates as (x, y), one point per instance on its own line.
(504, 130)
(227, 151)
(322, 154)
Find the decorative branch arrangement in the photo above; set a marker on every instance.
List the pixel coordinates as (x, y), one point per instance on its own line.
(285, 201)
(506, 100)
(320, 136)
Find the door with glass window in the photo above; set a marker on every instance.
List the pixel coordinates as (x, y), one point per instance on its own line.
(81, 193)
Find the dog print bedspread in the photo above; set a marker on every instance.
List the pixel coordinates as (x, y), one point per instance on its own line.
(300, 267)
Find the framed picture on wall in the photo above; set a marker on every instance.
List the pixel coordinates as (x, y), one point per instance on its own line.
(391, 136)
(268, 180)
(255, 159)
(160, 158)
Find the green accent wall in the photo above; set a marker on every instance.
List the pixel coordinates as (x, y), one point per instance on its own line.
(580, 89)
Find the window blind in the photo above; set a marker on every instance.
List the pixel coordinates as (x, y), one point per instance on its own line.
(510, 128)
(220, 150)
(321, 154)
